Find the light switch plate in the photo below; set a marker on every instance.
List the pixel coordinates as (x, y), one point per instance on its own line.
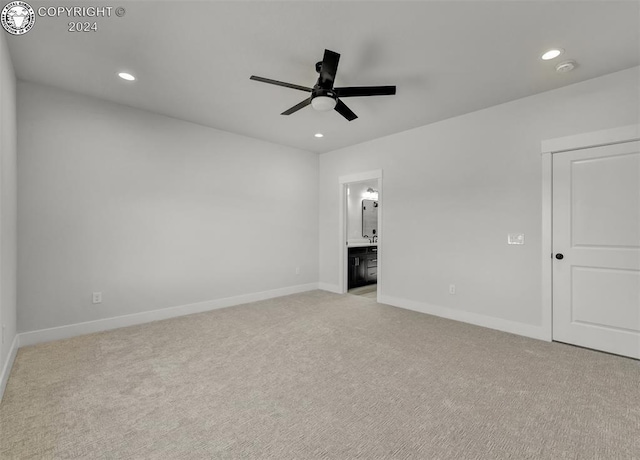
(515, 238)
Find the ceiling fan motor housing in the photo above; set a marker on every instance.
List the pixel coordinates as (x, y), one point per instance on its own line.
(323, 92)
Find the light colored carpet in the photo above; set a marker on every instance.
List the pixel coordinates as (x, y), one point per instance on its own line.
(370, 291)
(318, 376)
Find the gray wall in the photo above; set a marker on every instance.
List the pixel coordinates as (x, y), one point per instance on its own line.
(8, 244)
(151, 211)
(156, 212)
(453, 190)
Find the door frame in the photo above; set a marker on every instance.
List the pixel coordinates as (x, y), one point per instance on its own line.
(343, 181)
(622, 134)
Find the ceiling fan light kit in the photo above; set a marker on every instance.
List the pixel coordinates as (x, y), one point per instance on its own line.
(324, 96)
(323, 103)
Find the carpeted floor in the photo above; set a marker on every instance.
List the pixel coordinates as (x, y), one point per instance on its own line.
(370, 291)
(318, 376)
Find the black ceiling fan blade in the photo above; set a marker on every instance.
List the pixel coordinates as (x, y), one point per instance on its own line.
(345, 111)
(280, 83)
(297, 107)
(328, 69)
(358, 91)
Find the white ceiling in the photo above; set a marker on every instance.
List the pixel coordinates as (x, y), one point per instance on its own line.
(193, 60)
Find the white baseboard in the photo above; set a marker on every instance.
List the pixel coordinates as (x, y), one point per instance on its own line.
(6, 369)
(527, 330)
(329, 287)
(73, 330)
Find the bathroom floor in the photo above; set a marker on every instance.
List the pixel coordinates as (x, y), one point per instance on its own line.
(370, 291)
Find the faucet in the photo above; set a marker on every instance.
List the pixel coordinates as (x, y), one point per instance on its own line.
(374, 239)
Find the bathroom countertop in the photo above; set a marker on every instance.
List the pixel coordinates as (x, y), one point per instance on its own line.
(361, 245)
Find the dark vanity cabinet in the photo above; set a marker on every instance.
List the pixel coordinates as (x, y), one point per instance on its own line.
(372, 265)
(357, 267)
(363, 266)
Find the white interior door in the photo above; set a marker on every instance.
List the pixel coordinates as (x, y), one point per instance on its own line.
(596, 231)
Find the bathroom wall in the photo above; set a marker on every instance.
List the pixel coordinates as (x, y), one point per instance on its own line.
(355, 195)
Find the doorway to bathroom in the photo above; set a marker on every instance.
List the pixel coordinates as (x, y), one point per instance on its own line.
(361, 233)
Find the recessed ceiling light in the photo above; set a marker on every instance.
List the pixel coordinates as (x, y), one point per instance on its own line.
(319, 135)
(552, 54)
(126, 76)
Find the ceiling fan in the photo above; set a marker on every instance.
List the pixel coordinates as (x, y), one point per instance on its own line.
(323, 95)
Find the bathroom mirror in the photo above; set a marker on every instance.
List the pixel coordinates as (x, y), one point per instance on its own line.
(369, 218)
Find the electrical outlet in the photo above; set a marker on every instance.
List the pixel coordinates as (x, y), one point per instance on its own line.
(452, 289)
(297, 270)
(97, 297)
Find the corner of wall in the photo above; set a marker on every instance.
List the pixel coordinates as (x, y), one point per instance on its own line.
(8, 214)
(8, 364)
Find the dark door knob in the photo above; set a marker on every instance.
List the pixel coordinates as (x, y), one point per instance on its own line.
(559, 256)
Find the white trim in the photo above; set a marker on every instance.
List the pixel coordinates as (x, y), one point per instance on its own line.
(547, 245)
(73, 330)
(360, 177)
(329, 287)
(380, 263)
(527, 330)
(342, 225)
(342, 237)
(6, 370)
(622, 134)
(618, 135)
